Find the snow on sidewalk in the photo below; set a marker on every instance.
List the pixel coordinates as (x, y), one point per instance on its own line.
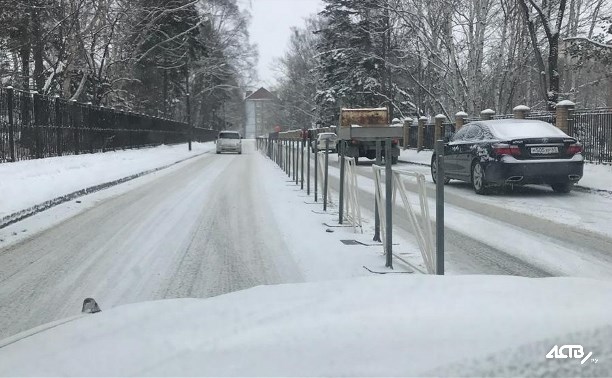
(313, 237)
(596, 176)
(31, 182)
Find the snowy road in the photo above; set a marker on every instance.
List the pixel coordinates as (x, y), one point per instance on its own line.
(196, 231)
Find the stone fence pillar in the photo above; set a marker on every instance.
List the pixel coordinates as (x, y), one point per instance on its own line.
(487, 114)
(521, 111)
(460, 120)
(439, 127)
(564, 110)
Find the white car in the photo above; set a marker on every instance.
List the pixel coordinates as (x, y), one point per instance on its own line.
(333, 142)
(229, 141)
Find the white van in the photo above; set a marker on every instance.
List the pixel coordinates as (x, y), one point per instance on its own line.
(229, 141)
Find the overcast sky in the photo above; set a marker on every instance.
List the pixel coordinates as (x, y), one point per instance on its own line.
(270, 27)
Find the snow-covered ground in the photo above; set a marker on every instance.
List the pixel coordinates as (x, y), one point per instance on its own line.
(374, 326)
(218, 224)
(207, 226)
(31, 182)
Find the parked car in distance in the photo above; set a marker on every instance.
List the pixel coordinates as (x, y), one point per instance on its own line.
(512, 152)
(322, 137)
(229, 141)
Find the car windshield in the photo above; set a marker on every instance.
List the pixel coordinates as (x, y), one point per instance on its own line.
(305, 188)
(229, 136)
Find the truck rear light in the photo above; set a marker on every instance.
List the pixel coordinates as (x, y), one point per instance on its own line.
(506, 149)
(574, 149)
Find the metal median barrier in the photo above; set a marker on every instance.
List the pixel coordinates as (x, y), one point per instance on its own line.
(421, 226)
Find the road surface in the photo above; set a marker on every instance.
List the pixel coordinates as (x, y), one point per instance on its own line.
(197, 231)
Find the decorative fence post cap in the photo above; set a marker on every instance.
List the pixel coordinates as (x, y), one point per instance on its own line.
(408, 120)
(521, 108)
(461, 114)
(440, 116)
(423, 118)
(488, 111)
(9, 87)
(566, 103)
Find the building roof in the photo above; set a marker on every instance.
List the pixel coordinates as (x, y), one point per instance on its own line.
(261, 94)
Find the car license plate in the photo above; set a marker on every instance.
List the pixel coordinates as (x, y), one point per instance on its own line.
(544, 150)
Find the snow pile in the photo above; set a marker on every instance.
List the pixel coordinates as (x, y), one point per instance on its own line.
(375, 326)
(414, 156)
(31, 182)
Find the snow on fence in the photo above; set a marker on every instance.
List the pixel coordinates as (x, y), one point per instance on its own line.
(35, 126)
(421, 225)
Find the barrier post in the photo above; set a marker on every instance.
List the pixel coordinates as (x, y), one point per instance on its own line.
(316, 171)
(388, 204)
(308, 168)
(440, 208)
(342, 173)
(376, 213)
(325, 178)
(302, 162)
(296, 165)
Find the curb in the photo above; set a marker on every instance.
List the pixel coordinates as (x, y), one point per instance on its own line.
(33, 210)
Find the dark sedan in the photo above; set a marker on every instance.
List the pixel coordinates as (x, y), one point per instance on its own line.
(512, 152)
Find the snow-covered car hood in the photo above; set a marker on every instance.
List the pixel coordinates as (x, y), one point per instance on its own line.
(373, 326)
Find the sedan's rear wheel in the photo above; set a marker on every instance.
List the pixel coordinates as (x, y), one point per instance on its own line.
(478, 179)
(434, 170)
(565, 187)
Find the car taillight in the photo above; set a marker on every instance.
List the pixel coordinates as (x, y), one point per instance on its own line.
(506, 149)
(574, 149)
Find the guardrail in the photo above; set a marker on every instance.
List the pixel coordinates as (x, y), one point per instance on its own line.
(421, 227)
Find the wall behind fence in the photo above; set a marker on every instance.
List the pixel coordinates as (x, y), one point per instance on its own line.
(34, 126)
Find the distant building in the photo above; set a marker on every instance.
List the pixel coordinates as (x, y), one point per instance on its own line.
(260, 112)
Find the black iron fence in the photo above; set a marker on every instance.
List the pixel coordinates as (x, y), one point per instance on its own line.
(35, 126)
(593, 128)
(429, 134)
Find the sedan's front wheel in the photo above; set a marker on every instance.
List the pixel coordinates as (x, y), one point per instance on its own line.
(478, 178)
